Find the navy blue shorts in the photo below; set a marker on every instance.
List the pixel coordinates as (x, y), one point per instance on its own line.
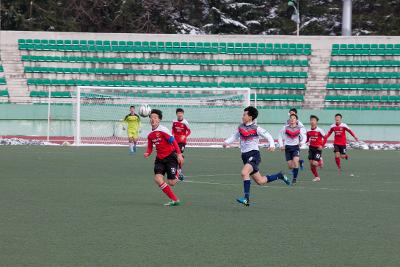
(291, 152)
(253, 158)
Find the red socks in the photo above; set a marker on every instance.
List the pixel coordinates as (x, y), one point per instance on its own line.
(337, 162)
(314, 171)
(168, 191)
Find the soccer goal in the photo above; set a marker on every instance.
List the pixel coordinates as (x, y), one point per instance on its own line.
(211, 112)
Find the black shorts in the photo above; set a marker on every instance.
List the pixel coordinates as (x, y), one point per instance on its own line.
(314, 153)
(182, 146)
(340, 148)
(291, 152)
(168, 165)
(253, 158)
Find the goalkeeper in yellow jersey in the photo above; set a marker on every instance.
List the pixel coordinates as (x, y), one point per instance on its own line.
(133, 121)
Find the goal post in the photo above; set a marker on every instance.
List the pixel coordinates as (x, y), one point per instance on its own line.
(212, 112)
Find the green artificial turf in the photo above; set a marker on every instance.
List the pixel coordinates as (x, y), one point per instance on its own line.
(91, 206)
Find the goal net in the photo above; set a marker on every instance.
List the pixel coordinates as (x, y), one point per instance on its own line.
(211, 112)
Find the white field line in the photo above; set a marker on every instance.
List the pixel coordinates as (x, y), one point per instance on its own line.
(280, 187)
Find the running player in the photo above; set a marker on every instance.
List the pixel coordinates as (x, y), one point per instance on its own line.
(133, 121)
(315, 138)
(339, 141)
(291, 137)
(180, 130)
(168, 158)
(294, 111)
(249, 135)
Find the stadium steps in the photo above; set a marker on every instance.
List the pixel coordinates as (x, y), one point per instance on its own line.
(14, 73)
(363, 86)
(365, 63)
(164, 47)
(121, 83)
(316, 82)
(160, 72)
(362, 98)
(366, 50)
(166, 61)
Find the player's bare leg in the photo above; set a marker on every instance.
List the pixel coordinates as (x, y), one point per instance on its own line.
(132, 145)
(159, 180)
(337, 160)
(313, 166)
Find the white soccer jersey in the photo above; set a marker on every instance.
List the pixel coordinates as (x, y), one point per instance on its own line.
(249, 137)
(292, 136)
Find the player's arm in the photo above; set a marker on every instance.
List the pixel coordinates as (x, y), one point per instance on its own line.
(266, 135)
(281, 138)
(235, 136)
(322, 135)
(347, 129)
(328, 134)
(188, 131)
(303, 136)
(173, 129)
(149, 148)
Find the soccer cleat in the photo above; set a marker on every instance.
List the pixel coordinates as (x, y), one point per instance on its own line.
(243, 201)
(301, 164)
(173, 203)
(316, 179)
(294, 181)
(284, 178)
(181, 177)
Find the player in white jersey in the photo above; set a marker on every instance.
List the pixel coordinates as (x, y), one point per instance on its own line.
(249, 135)
(299, 123)
(291, 137)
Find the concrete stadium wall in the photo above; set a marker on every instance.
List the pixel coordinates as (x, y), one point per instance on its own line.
(31, 120)
(318, 42)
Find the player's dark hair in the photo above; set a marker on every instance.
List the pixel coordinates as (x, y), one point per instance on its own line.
(180, 110)
(314, 117)
(132, 106)
(294, 110)
(252, 111)
(158, 112)
(338, 114)
(294, 115)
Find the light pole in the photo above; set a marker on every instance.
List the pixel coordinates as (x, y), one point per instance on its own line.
(347, 17)
(296, 15)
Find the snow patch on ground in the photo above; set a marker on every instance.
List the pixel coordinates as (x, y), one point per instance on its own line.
(24, 142)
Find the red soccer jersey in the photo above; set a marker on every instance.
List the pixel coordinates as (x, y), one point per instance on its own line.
(180, 130)
(164, 142)
(315, 137)
(340, 133)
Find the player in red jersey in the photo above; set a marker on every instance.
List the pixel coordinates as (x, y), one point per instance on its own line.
(340, 142)
(316, 140)
(180, 130)
(168, 159)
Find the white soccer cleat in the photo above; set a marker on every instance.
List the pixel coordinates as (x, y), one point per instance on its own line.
(316, 179)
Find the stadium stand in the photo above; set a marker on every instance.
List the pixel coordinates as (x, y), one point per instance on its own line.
(282, 71)
(277, 71)
(364, 75)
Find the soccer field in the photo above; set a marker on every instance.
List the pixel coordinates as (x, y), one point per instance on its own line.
(93, 206)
